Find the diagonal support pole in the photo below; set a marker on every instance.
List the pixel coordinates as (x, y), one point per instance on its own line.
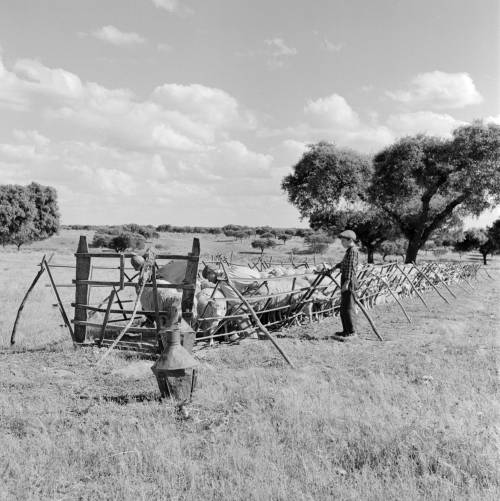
(363, 309)
(23, 302)
(256, 319)
(384, 281)
(408, 279)
(430, 282)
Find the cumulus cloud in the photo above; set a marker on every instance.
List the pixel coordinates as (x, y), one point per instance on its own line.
(175, 144)
(279, 48)
(423, 122)
(331, 46)
(491, 119)
(332, 110)
(114, 36)
(174, 7)
(439, 90)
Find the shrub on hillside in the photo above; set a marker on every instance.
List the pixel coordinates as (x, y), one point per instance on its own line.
(318, 242)
(262, 244)
(120, 242)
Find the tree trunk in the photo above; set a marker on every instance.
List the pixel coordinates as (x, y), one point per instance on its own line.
(370, 251)
(414, 246)
(484, 257)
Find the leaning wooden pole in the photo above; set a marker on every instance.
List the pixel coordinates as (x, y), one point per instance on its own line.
(442, 281)
(21, 306)
(256, 318)
(384, 281)
(430, 282)
(363, 309)
(412, 286)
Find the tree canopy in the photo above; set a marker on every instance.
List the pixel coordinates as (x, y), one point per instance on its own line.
(414, 187)
(330, 185)
(27, 213)
(421, 181)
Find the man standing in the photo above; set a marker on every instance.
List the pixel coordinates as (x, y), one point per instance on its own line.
(348, 282)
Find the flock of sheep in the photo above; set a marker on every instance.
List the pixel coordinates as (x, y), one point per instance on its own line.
(277, 294)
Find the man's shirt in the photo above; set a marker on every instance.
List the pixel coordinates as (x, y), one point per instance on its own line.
(348, 268)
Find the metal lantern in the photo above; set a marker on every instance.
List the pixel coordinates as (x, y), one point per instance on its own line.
(175, 369)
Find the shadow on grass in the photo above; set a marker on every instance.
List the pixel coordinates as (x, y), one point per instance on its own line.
(125, 399)
(51, 347)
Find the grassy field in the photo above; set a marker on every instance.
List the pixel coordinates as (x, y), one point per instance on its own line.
(414, 417)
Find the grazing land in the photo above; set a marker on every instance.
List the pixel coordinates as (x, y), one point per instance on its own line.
(413, 417)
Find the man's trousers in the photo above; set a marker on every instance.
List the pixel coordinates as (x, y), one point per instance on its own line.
(347, 315)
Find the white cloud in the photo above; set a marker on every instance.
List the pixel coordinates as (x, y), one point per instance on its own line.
(208, 104)
(332, 110)
(174, 7)
(423, 122)
(279, 48)
(491, 119)
(330, 46)
(438, 90)
(114, 36)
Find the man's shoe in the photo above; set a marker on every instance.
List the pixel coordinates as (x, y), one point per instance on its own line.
(339, 333)
(350, 335)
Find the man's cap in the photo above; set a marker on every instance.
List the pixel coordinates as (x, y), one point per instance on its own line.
(348, 234)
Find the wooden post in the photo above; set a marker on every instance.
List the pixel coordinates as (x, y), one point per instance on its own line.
(157, 309)
(81, 290)
(28, 292)
(190, 278)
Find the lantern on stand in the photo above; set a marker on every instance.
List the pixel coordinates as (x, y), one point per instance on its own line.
(175, 370)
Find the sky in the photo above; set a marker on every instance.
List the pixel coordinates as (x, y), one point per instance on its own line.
(192, 112)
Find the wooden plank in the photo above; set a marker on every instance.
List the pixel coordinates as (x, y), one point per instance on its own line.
(138, 330)
(109, 283)
(83, 263)
(190, 280)
(130, 254)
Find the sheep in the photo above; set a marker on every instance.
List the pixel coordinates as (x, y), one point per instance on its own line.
(169, 304)
(211, 309)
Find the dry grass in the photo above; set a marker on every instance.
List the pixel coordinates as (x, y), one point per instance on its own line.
(414, 417)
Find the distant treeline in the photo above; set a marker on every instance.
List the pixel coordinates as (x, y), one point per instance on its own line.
(149, 231)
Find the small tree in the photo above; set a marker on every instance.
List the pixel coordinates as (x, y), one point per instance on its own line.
(262, 244)
(283, 237)
(27, 213)
(318, 242)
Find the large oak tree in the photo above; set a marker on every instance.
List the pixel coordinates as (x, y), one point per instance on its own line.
(422, 182)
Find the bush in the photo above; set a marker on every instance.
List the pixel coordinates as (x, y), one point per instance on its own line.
(318, 242)
(120, 242)
(262, 244)
(27, 213)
